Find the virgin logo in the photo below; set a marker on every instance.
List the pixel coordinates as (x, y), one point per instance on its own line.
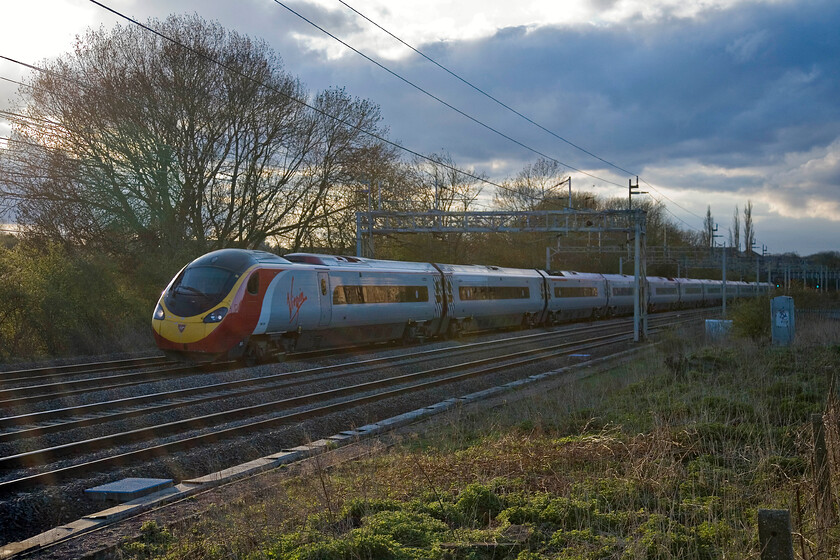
(295, 302)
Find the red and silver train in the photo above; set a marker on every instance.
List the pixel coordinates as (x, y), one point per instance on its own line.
(237, 303)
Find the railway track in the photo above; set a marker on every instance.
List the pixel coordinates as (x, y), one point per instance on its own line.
(54, 372)
(40, 423)
(137, 445)
(29, 394)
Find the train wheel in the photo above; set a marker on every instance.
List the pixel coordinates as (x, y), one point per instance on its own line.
(410, 335)
(453, 331)
(256, 354)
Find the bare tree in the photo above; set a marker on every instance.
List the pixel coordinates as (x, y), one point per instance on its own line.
(749, 228)
(708, 228)
(735, 231)
(541, 185)
(344, 168)
(135, 142)
(440, 186)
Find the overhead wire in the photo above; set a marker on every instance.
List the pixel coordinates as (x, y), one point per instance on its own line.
(337, 119)
(484, 93)
(511, 109)
(438, 99)
(5, 79)
(299, 101)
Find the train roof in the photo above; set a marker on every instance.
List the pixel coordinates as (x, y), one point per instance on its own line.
(487, 270)
(571, 274)
(237, 260)
(348, 262)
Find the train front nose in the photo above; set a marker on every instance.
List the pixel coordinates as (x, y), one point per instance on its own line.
(180, 331)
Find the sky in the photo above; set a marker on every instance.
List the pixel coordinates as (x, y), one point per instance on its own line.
(711, 102)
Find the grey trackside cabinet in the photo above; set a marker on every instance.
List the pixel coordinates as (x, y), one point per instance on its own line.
(782, 326)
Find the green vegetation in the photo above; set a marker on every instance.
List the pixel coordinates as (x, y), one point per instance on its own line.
(645, 461)
(64, 302)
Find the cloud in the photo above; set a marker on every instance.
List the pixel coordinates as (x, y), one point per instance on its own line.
(744, 49)
(806, 185)
(719, 100)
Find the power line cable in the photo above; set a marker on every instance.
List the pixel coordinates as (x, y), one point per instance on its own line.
(509, 108)
(438, 99)
(5, 79)
(484, 93)
(671, 200)
(294, 99)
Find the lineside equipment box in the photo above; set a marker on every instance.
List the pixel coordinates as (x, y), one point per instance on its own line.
(783, 326)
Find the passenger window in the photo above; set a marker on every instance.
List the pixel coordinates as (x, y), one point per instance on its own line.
(323, 286)
(254, 284)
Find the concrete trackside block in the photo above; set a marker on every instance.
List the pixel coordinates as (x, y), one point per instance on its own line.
(114, 513)
(237, 471)
(284, 457)
(309, 449)
(128, 489)
(369, 429)
(404, 417)
(47, 537)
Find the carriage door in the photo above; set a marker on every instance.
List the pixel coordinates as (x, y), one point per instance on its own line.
(324, 298)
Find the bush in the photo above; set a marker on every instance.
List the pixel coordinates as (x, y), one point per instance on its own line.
(478, 503)
(62, 303)
(751, 318)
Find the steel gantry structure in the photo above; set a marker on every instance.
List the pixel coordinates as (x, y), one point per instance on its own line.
(632, 222)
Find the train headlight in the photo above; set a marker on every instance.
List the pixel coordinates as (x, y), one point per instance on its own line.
(216, 315)
(159, 313)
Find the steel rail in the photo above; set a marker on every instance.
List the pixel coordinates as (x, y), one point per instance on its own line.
(228, 389)
(250, 428)
(43, 456)
(62, 419)
(72, 369)
(30, 394)
(53, 391)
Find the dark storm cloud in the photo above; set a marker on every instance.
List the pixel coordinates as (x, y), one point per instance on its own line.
(723, 88)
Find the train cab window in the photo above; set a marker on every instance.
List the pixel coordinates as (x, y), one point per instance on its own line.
(254, 284)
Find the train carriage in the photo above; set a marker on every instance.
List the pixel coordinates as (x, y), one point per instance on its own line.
(712, 293)
(663, 293)
(620, 293)
(491, 297)
(576, 295)
(366, 300)
(691, 292)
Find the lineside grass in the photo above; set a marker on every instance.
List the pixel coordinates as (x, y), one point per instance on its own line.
(668, 457)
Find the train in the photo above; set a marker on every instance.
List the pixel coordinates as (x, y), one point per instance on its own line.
(254, 305)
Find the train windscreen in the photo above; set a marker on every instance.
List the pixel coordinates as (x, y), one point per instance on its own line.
(198, 289)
